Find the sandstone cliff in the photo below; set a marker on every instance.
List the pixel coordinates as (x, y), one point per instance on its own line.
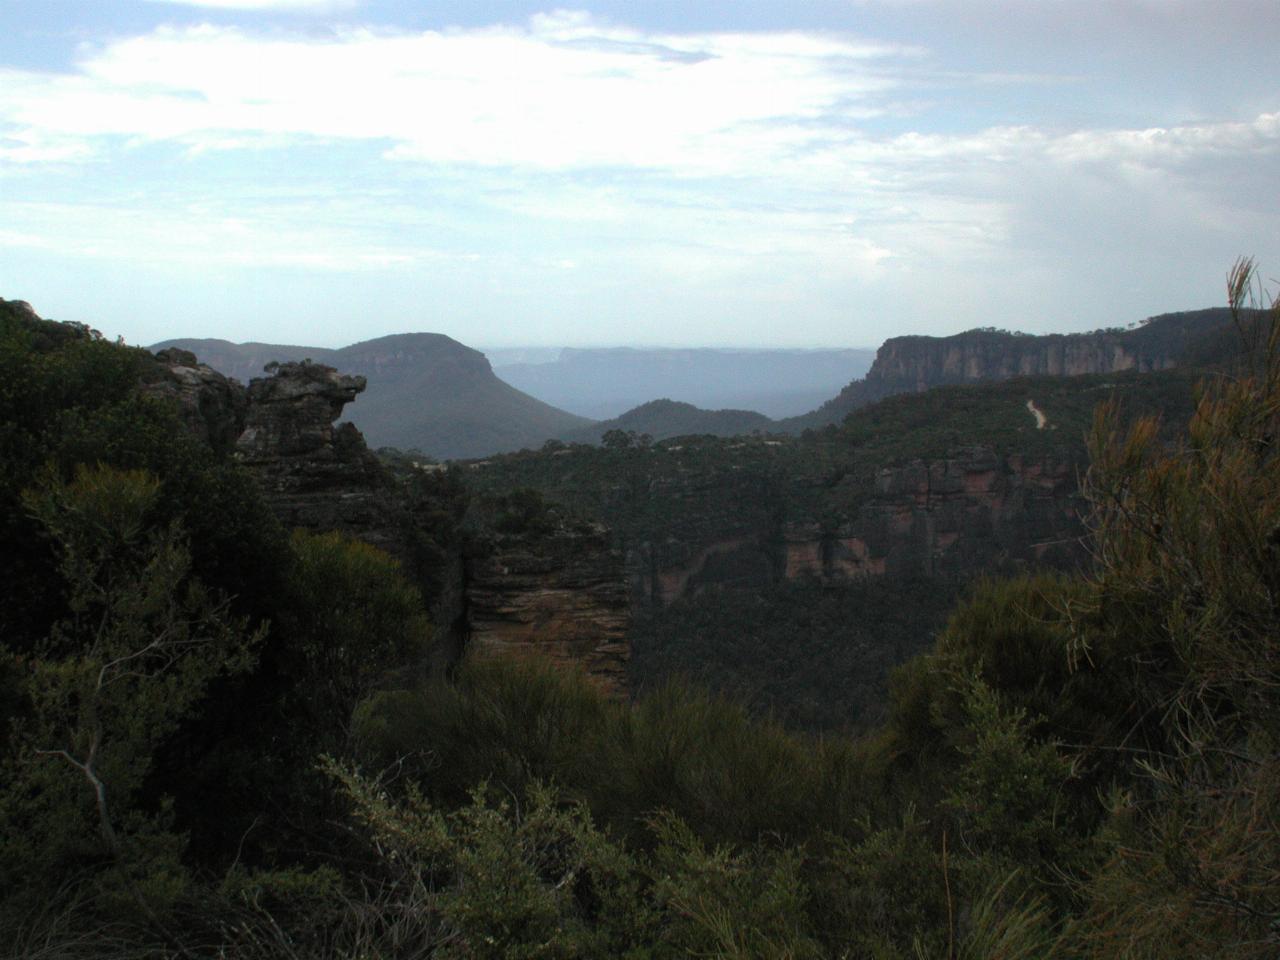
(915, 363)
(562, 595)
(950, 517)
(316, 474)
(212, 406)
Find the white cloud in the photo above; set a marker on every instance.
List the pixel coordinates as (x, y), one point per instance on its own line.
(559, 93)
(205, 235)
(32, 147)
(563, 92)
(733, 168)
(289, 6)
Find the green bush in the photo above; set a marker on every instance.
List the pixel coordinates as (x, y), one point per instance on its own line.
(348, 623)
(139, 648)
(511, 722)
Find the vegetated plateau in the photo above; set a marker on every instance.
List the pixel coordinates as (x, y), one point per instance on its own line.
(223, 737)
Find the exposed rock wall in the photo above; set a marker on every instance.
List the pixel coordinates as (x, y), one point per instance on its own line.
(562, 595)
(957, 516)
(212, 406)
(315, 474)
(913, 364)
(905, 364)
(953, 517)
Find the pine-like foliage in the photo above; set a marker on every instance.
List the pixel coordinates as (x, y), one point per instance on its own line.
(1184, 607)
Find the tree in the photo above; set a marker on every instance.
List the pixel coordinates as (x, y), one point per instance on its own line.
(616, 439)
(1185, 610)
(350, 618)
(139, 647)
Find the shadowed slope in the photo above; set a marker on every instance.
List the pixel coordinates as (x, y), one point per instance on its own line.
(426, 391)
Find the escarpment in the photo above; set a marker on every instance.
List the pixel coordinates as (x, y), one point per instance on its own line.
(950, 517)
(913, 364)
(940, 485)
(562, 595)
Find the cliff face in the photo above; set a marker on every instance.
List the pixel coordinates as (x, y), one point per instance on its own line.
(212, 406)
(563, 596)
(952, 517)
(918, 363)
(914, 364)
(315, 474)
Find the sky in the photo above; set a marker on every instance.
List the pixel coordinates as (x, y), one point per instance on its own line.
(672, 172)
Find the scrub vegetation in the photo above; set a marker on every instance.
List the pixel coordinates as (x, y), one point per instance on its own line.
(211, 745)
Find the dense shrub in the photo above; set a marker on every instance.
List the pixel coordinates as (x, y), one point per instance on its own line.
(518, 721)
(1080, 767)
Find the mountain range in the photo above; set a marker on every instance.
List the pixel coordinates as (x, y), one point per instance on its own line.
(428, 392)
(425, 391)
(603, 383)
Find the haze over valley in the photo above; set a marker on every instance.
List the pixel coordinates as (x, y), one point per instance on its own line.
(442, 399)
(606, 382)
(653, 480)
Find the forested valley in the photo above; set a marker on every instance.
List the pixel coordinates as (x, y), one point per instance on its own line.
(220, 737)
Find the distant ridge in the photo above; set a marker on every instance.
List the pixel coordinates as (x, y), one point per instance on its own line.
(429, 392)
(916, 363)
(604, 382)
(426, 392)
(662, 419)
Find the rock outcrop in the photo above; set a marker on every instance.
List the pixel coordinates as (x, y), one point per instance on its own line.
(19, 309)
(425, 391)
(313, 473)
(212, 406)
(950, 517)
(914, 364)
(561, 595)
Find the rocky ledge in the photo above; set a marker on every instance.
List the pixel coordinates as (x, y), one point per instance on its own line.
(562, 595)
(973, 511)
(316, 474)
(952, 517)
(212, 406)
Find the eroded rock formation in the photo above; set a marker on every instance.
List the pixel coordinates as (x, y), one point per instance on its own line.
(952, 517)
(212, 406)
(314, 473)
(562, 595)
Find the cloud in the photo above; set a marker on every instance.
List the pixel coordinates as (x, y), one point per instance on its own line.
(716, 169)
(562, 92)
(254, 234)
(287, 6)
